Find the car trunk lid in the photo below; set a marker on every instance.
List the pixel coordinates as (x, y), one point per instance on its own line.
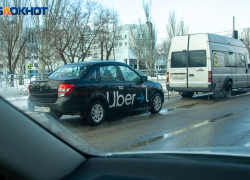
(44, 91)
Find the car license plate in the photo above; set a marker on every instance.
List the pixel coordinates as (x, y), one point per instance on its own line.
(42, 109)
(178, 77)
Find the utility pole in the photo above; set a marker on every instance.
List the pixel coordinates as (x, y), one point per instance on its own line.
(235, 33)
(233, 27)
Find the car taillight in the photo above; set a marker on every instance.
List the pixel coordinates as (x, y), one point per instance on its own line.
(65, 89)
(167, 76)
(29, 89)
(209, 76)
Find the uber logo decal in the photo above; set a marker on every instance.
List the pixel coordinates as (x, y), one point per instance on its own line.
(129, 99)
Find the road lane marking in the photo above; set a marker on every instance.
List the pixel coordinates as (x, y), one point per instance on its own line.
(167, 135)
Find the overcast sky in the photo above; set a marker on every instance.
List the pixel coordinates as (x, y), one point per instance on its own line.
(201, 16)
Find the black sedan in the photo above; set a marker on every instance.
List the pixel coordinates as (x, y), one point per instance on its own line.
(91, 89)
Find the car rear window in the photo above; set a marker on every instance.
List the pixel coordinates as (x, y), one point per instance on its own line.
(69, 71)
(197, 58)
(188, 59)
(179, 59)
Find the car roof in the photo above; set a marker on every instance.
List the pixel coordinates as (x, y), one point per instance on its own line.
(98, 62)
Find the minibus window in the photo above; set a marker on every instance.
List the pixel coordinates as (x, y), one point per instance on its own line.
(197, 58)
(242, 61)
(231, 59)
(219, 58)
(179, 59)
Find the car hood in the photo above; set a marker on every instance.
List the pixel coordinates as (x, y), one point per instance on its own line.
(228, 151)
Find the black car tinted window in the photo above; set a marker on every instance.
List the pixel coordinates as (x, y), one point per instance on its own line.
(93, 75)
(109, 73)
(75, 70)
(129, 74)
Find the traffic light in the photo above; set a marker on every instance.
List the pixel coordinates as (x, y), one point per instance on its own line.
(235, 34)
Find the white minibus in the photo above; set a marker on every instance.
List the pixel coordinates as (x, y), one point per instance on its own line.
(207, 63)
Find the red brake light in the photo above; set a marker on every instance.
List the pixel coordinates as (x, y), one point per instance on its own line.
(209, 76)
(65, 89)
(29, 89)
(167, 76)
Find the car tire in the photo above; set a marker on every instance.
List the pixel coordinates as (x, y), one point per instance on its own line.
(156, 103)
(55, 116)
(228, 92)
(218, 94)
(188, 94)
(96, 113)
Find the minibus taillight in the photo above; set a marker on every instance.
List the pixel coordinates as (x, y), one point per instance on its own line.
(29, 89)
(209, 76)
(167, 76)
(65, 89)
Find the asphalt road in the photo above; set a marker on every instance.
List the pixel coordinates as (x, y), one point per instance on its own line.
(182, 123)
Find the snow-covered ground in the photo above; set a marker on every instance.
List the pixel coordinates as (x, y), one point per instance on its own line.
(17, 91)
(20, 104)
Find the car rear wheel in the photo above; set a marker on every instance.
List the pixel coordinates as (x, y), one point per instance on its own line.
(51, 115)
(218, 94)
(228, 92)
(156, 103)
(96, 113)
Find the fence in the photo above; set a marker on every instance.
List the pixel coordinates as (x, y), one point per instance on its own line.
(157, 75)
(16, 85)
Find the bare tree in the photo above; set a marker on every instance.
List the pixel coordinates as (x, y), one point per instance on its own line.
(245, 36)
(163, 49)
(66, 37)
(14, 34)
(174, 28)
(143, 39)
(97, 21)
(78, 30)
(115, 32)
(109, 34)
(44, 28)
(102, 38)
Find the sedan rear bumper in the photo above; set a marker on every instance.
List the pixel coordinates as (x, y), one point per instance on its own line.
(64, 105)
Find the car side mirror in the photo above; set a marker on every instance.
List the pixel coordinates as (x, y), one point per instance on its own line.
(248, 66)
(144, 78)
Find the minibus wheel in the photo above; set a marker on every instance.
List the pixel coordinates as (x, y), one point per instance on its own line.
(218, 94)
(228, 92)
(187, 94)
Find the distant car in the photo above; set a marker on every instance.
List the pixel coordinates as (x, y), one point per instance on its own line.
(90, 89)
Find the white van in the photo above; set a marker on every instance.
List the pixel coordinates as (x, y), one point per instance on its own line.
(207, 63)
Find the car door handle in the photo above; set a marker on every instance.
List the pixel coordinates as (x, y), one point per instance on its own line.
(105, 87)
(129, 86)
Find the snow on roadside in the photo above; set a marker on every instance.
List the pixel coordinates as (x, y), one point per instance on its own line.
(20, 104)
